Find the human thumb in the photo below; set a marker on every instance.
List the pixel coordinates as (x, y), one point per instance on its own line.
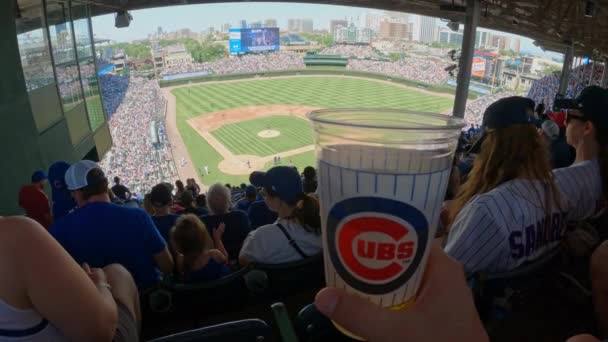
(355, 314)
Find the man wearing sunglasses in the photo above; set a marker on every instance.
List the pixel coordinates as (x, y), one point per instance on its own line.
(585, 183)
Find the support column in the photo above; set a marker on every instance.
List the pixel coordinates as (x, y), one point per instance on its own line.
(604, 82)
(590, 82)
(563, 82)
(466, 60)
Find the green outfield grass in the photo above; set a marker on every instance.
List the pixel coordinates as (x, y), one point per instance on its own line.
(242, 138)
(325, 92)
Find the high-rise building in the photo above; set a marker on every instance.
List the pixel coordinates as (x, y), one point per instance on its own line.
(372, 21)
(517, 46)
(300, 25)
(270, 23)
(159, 30)
(243, 24)
(396, 17)
(500, 42)
(482, 39)
(307, 26)
(334, 24)
(226, 27)
(415, 27)
(294, 25)
(428, 26)
(255, 25)
(353, 35)
(391, 30)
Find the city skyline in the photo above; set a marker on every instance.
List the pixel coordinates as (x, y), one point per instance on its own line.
(199, 18)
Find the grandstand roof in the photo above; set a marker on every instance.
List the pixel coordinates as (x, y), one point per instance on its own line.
(553, 23)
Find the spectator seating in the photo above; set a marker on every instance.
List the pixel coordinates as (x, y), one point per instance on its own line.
(313, 326)
(498, 293)
(289, 278)
(248, 330)
(214, 297)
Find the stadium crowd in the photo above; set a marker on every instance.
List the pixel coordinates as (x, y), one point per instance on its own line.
(508, 205)
(251, 63)
(113, 90)
(476, 108)
(425, 70)
(133, 157)
(351, 51)
(544, 89)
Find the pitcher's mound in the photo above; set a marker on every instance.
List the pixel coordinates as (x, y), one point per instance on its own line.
(269, 133)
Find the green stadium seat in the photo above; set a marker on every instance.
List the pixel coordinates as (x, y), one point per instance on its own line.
(248, 330)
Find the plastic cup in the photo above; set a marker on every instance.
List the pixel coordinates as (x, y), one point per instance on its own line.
(382, 176)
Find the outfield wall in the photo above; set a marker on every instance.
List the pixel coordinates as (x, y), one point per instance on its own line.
(322, 71)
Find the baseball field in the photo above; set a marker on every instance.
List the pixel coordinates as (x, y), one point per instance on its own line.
(235, 127)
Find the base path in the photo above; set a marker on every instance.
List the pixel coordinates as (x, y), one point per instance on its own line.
(245, 164)
(178, 148)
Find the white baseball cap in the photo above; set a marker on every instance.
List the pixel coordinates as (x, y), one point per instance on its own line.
(76, 175)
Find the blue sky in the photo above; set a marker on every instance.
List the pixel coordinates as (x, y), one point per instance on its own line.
(200, 17)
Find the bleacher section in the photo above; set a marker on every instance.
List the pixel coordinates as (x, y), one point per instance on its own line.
(293, 39)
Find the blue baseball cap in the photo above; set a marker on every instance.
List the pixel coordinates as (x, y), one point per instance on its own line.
(38, 176)
(57, 174)
(250, 190)
(506, 112)
(284, 181)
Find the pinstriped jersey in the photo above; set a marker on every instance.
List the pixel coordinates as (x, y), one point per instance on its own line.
(581, 187)
(503, 228)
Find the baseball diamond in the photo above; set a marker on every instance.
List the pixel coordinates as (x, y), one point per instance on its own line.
(236, 127)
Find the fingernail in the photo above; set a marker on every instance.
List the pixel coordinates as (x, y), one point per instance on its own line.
(326, 301)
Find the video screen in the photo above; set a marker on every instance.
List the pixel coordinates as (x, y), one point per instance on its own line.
(254, 40)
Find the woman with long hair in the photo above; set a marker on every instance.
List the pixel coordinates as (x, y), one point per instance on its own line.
(297, 233)
(199, 257)
(179, 189)
(509, 210)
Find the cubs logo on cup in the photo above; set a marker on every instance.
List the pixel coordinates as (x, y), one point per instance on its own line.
(376, 244)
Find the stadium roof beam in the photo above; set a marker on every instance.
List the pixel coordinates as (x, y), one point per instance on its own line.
(466, 59)
(551, 22)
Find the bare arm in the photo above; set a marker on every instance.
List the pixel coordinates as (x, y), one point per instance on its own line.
(164, 261)
(59, 289)
(218, 256)
(243, 261)
(217, 239)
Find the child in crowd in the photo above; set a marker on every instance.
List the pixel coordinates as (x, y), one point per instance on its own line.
(199, 257)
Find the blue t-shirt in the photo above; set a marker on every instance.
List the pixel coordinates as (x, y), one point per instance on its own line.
(243, 205)
(260, 215)
(164, 224)
(102, 233)
(212, 271)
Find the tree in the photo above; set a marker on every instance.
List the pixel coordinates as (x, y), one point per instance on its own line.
(323, 39)
(550, 69)
(133, 50)
(394, 56)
